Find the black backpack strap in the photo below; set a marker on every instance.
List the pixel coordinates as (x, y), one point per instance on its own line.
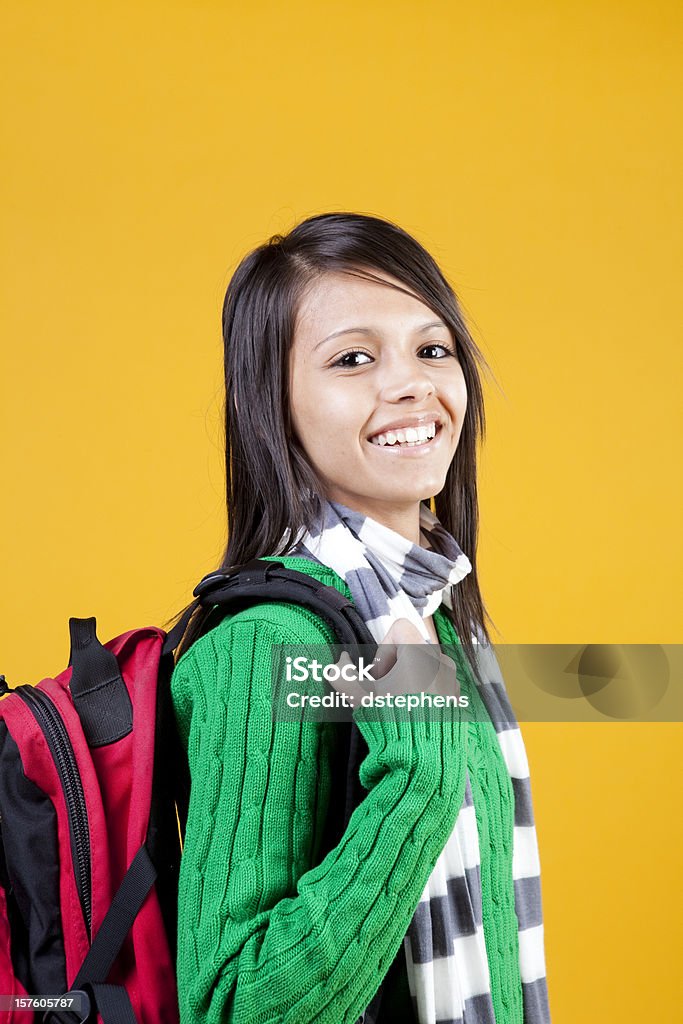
(267, 580)
(113, 1004)
(130, 896)
(174, 637)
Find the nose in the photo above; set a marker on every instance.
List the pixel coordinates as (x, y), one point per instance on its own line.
(406, 379)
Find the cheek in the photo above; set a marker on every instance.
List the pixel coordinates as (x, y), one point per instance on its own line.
(325, 411)
(328, 437)
(327, 431)
(313, 420)
(311, 425)
(457, 393)
(454, 397)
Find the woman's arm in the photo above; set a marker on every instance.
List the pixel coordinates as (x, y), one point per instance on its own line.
(266, 935)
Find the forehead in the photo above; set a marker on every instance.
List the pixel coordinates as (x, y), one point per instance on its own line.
(341, 300)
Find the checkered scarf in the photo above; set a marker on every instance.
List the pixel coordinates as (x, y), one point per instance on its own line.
(448, 973)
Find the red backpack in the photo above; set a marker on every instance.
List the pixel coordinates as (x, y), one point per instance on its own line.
(94, 787)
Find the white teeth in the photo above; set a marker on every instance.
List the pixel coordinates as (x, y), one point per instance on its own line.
(410, 435)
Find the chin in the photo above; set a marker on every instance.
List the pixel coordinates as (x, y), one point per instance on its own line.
(405, 497)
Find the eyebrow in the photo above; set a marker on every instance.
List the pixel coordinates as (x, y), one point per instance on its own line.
(369, 330)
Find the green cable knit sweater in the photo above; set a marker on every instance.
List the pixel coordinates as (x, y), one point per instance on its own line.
(267, 934)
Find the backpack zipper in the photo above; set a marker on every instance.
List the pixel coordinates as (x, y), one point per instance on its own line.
(50, 722)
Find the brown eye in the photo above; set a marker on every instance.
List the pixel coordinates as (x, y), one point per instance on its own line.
(445, 350)
(342, 361)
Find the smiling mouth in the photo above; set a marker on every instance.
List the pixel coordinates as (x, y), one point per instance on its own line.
(408, 437)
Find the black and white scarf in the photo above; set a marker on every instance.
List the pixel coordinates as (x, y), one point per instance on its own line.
(391, 578)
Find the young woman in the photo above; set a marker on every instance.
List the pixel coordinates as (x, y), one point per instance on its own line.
(353, 399)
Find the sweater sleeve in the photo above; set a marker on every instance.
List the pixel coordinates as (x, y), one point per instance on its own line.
(265, 934)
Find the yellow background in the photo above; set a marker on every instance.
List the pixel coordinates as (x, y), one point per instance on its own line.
(535, 149)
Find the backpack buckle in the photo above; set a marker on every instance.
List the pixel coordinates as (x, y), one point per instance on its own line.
(255, 571)
(79, 1015)
(210, 582)
(86, 1006)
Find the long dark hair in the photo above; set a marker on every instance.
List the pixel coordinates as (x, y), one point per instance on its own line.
(272, 491)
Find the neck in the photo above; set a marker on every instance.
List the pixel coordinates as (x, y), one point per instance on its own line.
(404, 520)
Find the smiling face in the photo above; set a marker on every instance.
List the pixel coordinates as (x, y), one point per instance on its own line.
(377, 396)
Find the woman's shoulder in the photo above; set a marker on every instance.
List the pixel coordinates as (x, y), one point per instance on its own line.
(312, 567)
(271, 622)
